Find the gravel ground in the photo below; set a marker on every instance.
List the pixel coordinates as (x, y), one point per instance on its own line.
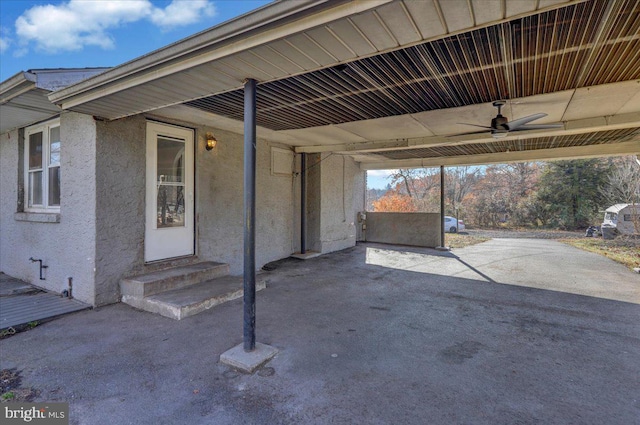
(515, 234)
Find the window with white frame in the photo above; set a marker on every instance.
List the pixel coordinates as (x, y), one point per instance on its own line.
(42, 167)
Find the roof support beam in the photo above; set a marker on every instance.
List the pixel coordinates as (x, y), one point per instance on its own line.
(610, 149)
(589, 125)
(360, 146)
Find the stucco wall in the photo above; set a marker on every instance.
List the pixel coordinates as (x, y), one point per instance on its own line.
(359, 199)
(100, 237)
(67, 247)
(219, 202)
(314, 204)
(8, 201)
(341, 200)
(417, 229)
(120, 203)
(335, 195)
(219, 197)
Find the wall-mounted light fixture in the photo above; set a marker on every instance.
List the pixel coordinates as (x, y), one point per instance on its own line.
(211, 141)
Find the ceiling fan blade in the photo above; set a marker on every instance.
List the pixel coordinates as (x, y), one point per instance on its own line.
(513, 125)
(537, 127)
(475, 125)
(471, 132)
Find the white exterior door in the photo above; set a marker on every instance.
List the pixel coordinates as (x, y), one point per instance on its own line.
(170, 211)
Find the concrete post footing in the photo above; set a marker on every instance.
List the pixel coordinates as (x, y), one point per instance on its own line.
(307, 255)
(248, 361)
(443, 248)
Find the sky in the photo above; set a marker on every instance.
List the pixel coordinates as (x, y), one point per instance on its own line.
(378, 179)
(101, 33)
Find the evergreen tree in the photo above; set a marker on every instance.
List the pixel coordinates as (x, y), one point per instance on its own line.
(569, 192)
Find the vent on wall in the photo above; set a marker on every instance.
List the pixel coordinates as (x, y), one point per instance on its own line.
(281, 162)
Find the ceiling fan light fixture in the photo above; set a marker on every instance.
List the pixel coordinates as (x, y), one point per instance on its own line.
(501, 126)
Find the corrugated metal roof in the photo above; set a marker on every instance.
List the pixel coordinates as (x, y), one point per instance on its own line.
(269, 46)
(595, 42)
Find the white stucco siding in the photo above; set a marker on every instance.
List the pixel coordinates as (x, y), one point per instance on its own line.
(341, 199)
(314, 201)
(220, 204)
(120, 204)
(276, 209)
(8, 202)
(66, 247)
(100, 235)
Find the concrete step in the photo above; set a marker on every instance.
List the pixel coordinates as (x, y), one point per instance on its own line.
(193, 299)
(170, 279)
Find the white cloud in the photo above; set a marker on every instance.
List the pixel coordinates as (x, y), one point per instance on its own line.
(79, 23)
(182, 12)
(5, 39)
(73, 25)
(4, 44)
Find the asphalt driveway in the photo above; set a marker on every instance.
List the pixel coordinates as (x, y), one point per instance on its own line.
(506, 332)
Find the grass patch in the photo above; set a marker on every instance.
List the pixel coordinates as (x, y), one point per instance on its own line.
(8, 396)
(11, 390)
(460, 240)
(623, 250)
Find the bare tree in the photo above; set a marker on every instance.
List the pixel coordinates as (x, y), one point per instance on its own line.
(461, 182)
(417, 182)
(623, 182)
(623, 186)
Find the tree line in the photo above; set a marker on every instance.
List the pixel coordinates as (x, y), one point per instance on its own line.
(560, 194)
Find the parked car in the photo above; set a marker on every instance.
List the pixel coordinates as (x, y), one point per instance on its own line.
(452, 225)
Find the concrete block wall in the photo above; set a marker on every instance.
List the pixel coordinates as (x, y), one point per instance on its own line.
(417, 229)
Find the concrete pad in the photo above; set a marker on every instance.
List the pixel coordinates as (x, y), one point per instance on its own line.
(307, 255)
(248, 361)
(503, 332)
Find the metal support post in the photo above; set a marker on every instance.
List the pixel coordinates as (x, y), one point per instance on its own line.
(249, 215)
(442, 206)
(303, 203)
